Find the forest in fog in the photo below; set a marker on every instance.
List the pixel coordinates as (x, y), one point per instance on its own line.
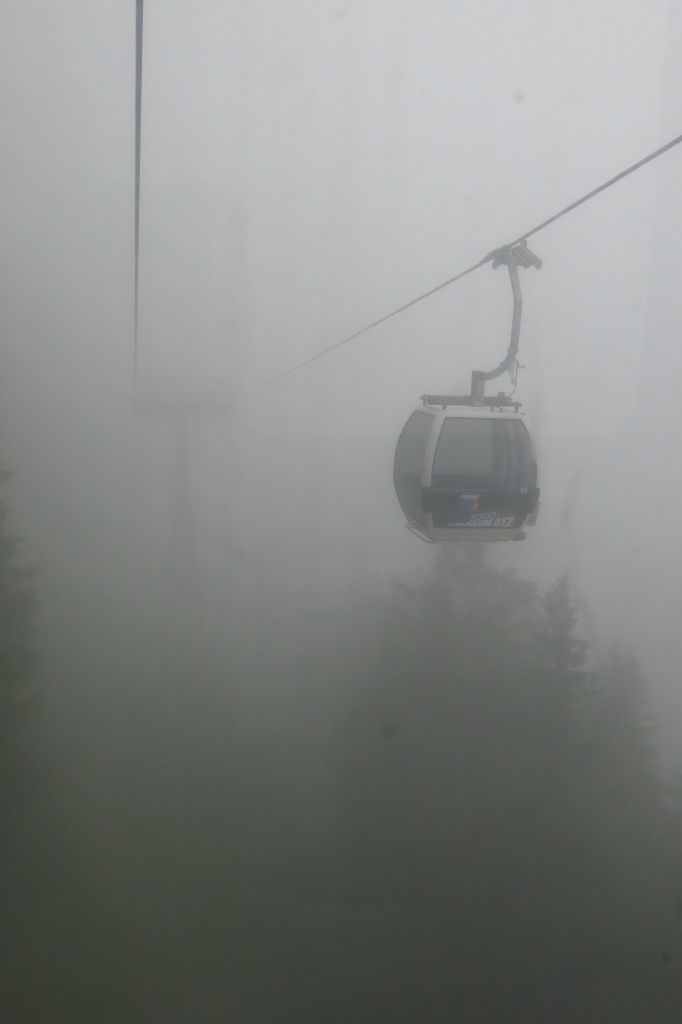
(440, 805)
(266, 757)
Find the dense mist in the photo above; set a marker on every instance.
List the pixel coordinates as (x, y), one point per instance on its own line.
(264, 755)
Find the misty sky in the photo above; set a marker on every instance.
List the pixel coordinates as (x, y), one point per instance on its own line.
(336, 159)
(306, 167)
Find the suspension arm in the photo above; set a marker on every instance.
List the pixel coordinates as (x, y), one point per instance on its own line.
(512, 257)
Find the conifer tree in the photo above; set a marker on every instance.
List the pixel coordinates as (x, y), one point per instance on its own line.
(507, 790)
(560, 647)
(18, 600)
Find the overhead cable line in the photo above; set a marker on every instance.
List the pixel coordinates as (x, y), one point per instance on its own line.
(475, 266)
(139, 5)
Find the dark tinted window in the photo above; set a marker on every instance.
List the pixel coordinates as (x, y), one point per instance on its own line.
(515, 461)
(409, 461)
(464, 454)
(492, 456)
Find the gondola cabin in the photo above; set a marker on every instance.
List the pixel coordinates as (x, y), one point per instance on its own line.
(466, 472)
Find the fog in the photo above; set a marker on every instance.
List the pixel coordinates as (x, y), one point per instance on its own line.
(213, 587)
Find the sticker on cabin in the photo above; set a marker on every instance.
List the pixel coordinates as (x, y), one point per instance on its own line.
(481, 519)
(505, 522)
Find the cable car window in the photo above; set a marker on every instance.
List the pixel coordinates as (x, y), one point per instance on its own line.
(517, 467)
(464, 454)
(409, 460)
(511, 443)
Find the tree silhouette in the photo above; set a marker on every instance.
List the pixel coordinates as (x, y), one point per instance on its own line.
(18, 599)
(505, 793)
(560, 648)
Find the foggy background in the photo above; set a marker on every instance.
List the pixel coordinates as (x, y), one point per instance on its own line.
(306, 167)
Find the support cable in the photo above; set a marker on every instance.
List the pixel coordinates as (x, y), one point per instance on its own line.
(139, 20)
(475, 266)
(490, 257)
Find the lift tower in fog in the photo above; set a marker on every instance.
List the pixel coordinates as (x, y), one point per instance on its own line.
(187, 402)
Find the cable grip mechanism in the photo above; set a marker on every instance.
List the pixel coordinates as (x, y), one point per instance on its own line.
(513, 257)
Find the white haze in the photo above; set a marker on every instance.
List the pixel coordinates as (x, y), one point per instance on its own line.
(307, 167)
